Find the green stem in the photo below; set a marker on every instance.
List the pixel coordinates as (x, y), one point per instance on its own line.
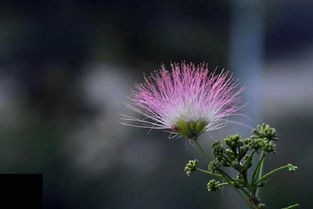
(230, 181)
(225, 175)
(244, 198)
(271, 173)
(257, 169)
(207, 172)
(257, 174)
(262, 165)
(223, 184)
(292, 206)
(247, 184)
(204, 153)
(248, 161)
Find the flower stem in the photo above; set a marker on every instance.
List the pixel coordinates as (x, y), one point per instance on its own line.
(292, 206)
(223, 184)
(257, 174)
(204, 153)
(242, 193)
(271, 173)
(207, 172)
(262, 164)
(244, 198)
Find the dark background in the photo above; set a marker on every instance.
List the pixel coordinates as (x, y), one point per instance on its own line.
(66, 68)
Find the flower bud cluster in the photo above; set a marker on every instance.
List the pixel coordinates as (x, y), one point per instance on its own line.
(238, 150)
(191, 166)
(258, 144)
(237, 153)
(214, 165)
(213, 185)
(292, 168)
(265, 131)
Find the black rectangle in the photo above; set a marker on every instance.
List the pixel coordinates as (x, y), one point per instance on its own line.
(21, 191)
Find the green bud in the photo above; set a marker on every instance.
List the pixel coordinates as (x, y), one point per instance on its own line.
(265, 131)
(218, 150)
(261, 206)
(255, 143)
(230, 153)
(269, 147)
(235, 164)
(233, 141)
(292, 168)
(213, 185)
(191, 166)
(224, 162)
(248, 163)
(213, 166)
(243, 151)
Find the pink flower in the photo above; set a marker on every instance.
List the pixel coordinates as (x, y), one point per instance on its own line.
(186, 100)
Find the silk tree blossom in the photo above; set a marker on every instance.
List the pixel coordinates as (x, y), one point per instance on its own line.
(186, 100)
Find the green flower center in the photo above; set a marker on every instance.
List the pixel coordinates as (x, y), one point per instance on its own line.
(190, 129)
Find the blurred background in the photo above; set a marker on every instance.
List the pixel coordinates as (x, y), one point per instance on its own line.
(67, 67)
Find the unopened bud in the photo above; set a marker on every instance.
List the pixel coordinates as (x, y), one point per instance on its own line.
(213, 185)
(292, 168)
(191, 166)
